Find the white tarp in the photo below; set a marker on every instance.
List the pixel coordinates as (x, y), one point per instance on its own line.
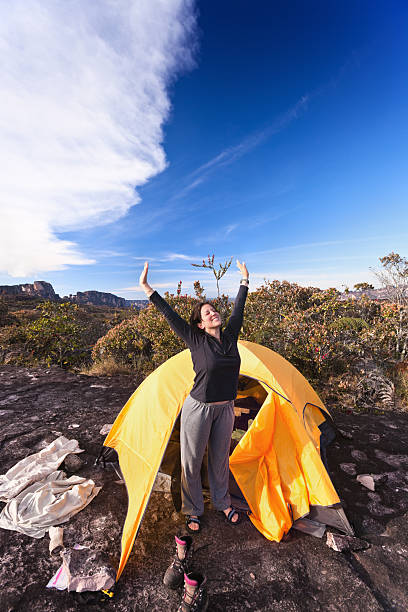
(36, 467)
(38, 496)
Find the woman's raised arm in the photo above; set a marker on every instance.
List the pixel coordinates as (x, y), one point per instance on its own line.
(177, 323)
(235, 321)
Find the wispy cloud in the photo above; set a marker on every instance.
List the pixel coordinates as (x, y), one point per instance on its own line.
(230, 228)
(176, 256)
(231, 154)
(167, 257)
(324, 243)
(83, 98)
(108, 253)
(262, 220)
(222, 234)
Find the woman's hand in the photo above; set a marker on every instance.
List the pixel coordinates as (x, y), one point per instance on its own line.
(143, 280)
(143, 276)
(243, 269)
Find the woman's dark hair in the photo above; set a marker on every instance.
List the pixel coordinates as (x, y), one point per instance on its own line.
(195, 316)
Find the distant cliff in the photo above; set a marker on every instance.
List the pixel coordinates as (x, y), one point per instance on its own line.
(37, 289)
(98, 298)
(41, 289)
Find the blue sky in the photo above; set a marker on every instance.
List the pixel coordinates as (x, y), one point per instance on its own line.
(272, 132)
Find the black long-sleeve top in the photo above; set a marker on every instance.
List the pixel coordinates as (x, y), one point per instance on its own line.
(216, 363)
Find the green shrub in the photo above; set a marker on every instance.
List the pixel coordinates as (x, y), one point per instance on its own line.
(354, 324)
(62, 335)
(123, 343)
(6, 317)
(152, 325)
(12, 345)
(315, 330)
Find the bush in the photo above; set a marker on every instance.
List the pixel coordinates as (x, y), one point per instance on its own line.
(315, 330)
(62, 334)
(268, 307)
(353, 324)
(12, 345)
(123, 343)
(388, 334)
(152, 325)
(56, 336)
(3, 313)
(6, 317)
(146, 341)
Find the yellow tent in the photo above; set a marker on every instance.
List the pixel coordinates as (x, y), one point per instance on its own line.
(277, 463)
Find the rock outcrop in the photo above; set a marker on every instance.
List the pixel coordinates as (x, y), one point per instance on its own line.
(40, 289)
(98, 298)
(44, 290)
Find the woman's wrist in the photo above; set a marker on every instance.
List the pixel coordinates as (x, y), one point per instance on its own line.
(147, 289)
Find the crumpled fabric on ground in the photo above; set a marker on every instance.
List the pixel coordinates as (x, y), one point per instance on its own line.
(61, 578)
(51, 501)
(36, 467)
(88, 570)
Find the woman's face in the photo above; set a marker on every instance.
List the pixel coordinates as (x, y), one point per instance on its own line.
(210, 318)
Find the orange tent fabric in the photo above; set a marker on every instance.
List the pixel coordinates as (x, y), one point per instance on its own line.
(276, 464)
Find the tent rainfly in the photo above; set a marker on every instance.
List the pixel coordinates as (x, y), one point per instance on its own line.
(278, 464)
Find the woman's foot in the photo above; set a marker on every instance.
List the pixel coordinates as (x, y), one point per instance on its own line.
(231, 515)
(193, 523)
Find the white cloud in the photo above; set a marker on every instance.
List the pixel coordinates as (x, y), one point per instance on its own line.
(168, 257)
(176, 256)
(82, 103)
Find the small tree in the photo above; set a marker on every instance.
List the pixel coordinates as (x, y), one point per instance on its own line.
(209, 264)
(394, 278)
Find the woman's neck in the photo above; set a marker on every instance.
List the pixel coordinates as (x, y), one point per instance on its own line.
(215, 332)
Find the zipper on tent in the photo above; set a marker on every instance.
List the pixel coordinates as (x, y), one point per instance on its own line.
(272, 389)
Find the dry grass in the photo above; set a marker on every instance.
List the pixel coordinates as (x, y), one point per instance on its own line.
(108, 367)
(401, 389)
(338, 393)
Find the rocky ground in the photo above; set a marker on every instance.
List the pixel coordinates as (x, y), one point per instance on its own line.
(244, 570)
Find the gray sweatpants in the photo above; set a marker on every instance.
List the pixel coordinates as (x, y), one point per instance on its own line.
(201, 424)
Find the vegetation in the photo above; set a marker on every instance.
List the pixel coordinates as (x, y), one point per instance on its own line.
(334, 339)
(108, 366)
(58, 333)
(123, 343)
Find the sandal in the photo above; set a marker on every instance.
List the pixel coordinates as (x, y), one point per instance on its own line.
(193, 519)
(228, 517)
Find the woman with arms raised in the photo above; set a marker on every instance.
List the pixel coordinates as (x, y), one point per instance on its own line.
(207, 415)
